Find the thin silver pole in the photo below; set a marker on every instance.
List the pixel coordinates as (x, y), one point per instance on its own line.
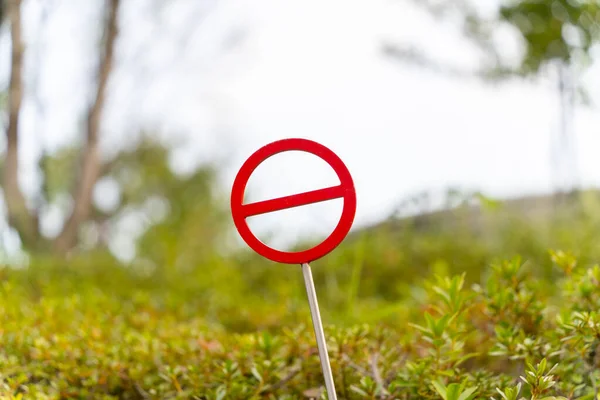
(319, 333)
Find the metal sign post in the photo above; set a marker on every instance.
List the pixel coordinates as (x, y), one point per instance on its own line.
(242, 211)
(319, 333)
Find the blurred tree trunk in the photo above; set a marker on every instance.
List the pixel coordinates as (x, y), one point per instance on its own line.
(74, 171)
(24, 220)
(564, 161)
(90, 161)
(19, 216)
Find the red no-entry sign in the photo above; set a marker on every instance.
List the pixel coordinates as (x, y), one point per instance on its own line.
(344, 190)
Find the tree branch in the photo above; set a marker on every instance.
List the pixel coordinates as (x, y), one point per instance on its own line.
(19, 217)
(377, 375)
(412, 56)
(91, 163)
(273, 388)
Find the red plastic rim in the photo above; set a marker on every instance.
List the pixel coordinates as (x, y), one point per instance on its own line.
(344, 190)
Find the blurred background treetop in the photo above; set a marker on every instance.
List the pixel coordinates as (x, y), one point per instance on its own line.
(91, 194)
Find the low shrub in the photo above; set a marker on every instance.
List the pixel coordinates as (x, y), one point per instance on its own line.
(511, 336)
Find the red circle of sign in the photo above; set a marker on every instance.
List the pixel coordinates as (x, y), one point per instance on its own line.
(345, 189)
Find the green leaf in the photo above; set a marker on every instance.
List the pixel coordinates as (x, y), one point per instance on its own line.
(467, 394)
(440, 389)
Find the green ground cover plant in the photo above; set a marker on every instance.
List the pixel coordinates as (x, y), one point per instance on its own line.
(426, 308)
(106, 333)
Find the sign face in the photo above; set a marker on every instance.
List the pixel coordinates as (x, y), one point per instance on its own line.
(344, 190)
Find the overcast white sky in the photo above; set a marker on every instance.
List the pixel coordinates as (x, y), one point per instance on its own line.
(312, 69)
